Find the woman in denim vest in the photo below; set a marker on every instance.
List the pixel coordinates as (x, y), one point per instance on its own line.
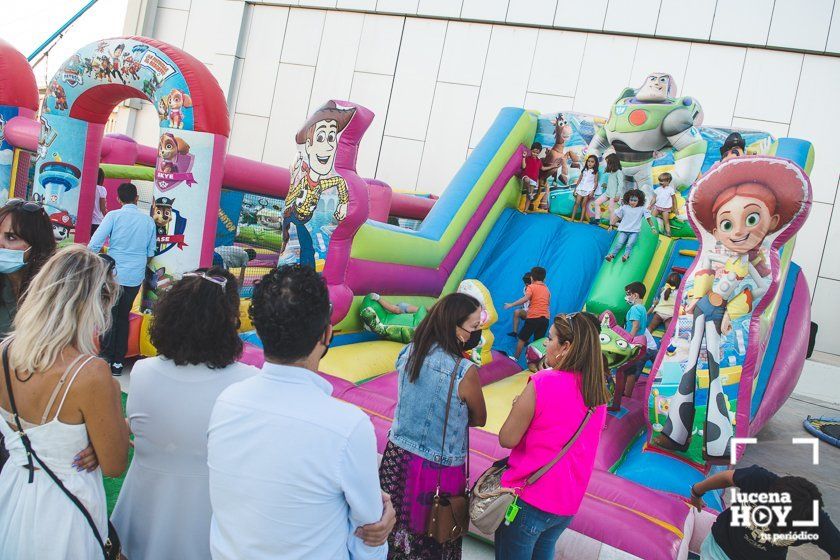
(413, 458)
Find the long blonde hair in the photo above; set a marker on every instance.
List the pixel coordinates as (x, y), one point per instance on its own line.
(67, 305)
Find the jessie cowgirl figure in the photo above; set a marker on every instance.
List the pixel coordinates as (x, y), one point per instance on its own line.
(741, 203)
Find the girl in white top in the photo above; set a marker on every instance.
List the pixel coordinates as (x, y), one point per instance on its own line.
(66, 400)
(585, 186)
(663, 201)
(164, 506)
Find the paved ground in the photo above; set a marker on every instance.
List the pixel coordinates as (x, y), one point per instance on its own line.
(773, 451)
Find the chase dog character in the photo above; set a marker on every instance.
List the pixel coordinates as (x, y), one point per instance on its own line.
(59, 95)
(740, 203)
(62, 225)
(162, 214)
(319, 138)
(648, 120)
(177, 101)
(169, 148)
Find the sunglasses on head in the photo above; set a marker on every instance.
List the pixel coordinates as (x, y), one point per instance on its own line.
(220, 281)
(25, 205)
(568, 318)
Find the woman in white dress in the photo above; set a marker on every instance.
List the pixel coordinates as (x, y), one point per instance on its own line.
(164, 506)
(66, 399)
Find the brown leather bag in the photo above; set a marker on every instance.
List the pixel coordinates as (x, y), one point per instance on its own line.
(449, 517)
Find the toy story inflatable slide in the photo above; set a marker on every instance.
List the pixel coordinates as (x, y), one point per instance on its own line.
(727, 361)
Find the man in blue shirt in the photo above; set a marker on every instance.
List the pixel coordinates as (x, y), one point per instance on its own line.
(132, 244)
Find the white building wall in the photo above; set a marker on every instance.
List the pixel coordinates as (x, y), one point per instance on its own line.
(436, 72)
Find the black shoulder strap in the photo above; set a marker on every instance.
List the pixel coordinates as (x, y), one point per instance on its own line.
(30, 454)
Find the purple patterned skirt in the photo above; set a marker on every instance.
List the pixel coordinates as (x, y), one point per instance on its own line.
(411, 481)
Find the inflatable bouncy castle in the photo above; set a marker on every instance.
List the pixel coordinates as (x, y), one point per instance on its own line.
(739, 334)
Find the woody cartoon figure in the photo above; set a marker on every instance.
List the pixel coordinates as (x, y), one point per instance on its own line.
(741, 205)
(314, 174)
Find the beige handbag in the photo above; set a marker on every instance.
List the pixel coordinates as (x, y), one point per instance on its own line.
(490, 500)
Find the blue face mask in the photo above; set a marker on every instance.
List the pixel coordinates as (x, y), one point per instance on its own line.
(11, 260)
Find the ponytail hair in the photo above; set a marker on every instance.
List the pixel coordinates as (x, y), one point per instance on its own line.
(672, 283)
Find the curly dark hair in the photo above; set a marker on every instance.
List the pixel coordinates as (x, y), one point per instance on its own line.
(290, 309)
(196, 321)
(802, 493)
(638, 194)
(34, 228)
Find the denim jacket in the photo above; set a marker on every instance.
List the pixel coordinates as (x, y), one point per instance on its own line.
(421, 407)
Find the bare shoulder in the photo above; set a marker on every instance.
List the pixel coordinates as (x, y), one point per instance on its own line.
(95, 374)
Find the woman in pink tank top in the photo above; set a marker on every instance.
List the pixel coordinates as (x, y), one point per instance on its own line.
(543, 419)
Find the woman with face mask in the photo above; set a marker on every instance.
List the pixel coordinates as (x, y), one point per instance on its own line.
(563, 407)
(417, 458)
(26, 243)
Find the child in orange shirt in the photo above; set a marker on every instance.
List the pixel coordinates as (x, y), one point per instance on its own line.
(538, 297)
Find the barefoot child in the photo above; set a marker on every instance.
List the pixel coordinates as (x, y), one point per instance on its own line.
(521, 314)
(538, 298)
(631, 215)
(396, 309)
(663, 202)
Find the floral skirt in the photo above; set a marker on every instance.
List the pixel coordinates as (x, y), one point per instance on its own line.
(411, 481)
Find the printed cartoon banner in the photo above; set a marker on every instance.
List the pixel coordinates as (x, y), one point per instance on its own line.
(230, 204)
(124, 62)
(318, 196)
(61, 155)
(179, 203)
(744, 209)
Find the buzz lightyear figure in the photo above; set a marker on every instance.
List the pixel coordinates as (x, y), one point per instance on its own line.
(649, 119)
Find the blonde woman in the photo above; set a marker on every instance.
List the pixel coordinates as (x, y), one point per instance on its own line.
(66, 400)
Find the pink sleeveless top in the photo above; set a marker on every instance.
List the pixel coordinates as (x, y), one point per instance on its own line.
(558, 412)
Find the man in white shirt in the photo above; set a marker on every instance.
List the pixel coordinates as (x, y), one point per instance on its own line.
(293, 472)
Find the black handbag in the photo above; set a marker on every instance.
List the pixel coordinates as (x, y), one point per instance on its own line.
(111, 547)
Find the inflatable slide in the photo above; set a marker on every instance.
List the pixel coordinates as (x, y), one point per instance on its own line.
(738, 338)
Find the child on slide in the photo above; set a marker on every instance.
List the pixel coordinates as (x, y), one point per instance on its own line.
(521, 314)
(585, 186)
(663, 306)
(531, 167)
(614, 180)
(631, 214)
(663, 202)
(396, 309)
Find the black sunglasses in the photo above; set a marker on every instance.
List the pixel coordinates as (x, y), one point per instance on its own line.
(25, 205)
(109, 262)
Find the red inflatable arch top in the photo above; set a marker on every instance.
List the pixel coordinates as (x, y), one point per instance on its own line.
(209, 104)
(17, 82)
